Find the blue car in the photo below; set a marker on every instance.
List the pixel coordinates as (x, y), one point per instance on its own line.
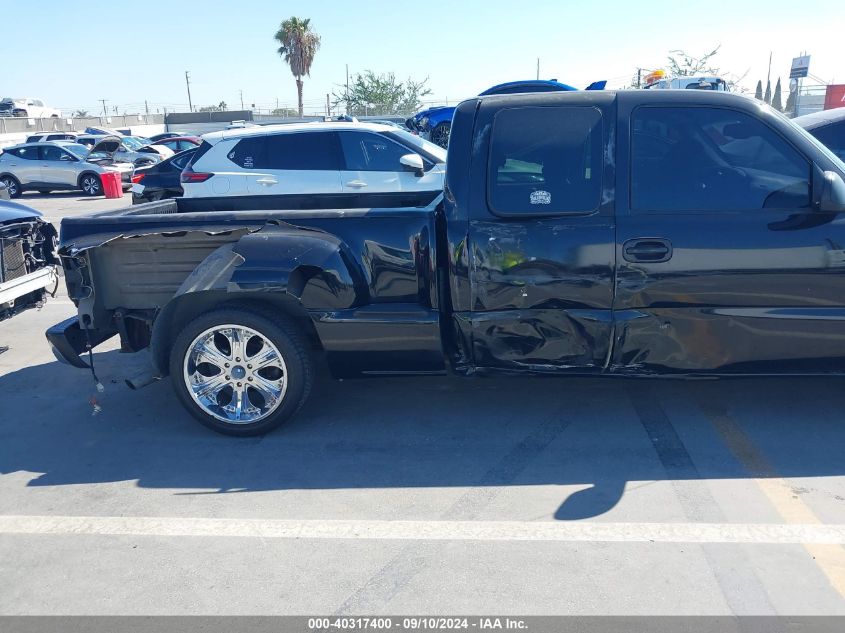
(435, 124)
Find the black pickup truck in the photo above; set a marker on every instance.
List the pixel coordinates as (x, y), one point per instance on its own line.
(637, 233)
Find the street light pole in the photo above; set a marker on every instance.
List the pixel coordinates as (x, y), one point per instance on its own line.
(188, 84)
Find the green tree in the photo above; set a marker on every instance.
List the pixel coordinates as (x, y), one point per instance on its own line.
(81, 114)
(298, 45)
(777, 102)
(682, 64)
(790, 104)
(285, 112)
(370, 93)
(767, 97)
(758, 92)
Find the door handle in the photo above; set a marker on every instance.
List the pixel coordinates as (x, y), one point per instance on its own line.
(358, 184)
(267, 182)
(652, 250)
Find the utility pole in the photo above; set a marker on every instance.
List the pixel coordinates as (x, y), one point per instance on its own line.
(146, 107)
(639, 78)
(328, 107)
(188, 85)
(538, 68)
(347, 89)
(105, 111)
(242, 99)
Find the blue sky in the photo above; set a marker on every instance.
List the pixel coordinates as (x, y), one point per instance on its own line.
(462, 46)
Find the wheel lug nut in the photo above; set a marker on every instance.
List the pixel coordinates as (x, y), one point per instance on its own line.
(250, 379)
(227, 364)
(237, 360)
(239, 385)
(249, 366)
(227, 377)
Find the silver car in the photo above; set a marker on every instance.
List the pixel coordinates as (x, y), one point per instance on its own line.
(46, 167)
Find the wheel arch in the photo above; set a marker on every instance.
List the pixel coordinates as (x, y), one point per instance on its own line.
(88, 172)
(277, 269)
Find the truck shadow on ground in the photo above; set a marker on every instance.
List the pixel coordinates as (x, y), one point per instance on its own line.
(592, 435)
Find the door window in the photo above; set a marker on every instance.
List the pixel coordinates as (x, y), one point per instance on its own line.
(545, 160)
(712, 159)
(317, 151)
(364, 151)
(51, 152)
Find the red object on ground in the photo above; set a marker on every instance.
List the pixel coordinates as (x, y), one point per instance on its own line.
(112, 186)
(834, 97)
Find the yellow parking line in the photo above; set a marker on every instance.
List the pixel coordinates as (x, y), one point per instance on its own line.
(829, 558)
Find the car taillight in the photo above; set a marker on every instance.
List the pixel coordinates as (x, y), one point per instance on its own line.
(194, 176)
(138, 178)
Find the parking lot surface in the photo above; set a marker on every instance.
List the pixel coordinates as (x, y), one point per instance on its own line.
(423, 495)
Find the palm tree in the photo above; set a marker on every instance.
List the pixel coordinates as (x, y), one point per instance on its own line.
(298, 45)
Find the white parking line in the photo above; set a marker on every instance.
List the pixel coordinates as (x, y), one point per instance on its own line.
(428, 530)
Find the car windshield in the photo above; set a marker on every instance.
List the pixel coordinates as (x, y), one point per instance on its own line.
(77, 149)
(433, 150)
(133, 142)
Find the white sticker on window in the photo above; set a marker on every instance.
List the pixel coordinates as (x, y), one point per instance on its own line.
(248, 162)
(541, 197)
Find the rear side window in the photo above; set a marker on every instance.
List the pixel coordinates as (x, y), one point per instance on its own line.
(833, 136)
(307, 151)
(28, 153)
(712, 159)
(201, 150)
(545, 160)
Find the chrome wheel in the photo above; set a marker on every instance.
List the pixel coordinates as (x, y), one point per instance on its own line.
(11, 187)
(91, 185)
(235, 374)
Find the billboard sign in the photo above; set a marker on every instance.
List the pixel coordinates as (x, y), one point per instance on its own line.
(834, 97)
(800, 67)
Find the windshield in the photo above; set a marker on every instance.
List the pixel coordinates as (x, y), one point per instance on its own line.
(77, 149)
(434, 151)
(132, 142)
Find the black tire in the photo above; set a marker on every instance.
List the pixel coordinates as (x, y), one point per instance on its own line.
(440, 134)
(12, 186)
(91, 185)
(279, 330)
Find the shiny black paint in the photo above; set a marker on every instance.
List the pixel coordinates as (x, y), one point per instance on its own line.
(741, 292)
(541, 286)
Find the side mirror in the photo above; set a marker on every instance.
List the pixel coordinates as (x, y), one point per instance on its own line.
(413, 162)
(832, 199)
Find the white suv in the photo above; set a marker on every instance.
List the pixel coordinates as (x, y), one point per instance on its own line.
(354, 164)
(27, 107)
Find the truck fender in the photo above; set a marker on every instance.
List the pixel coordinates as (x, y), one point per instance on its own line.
(297, 269)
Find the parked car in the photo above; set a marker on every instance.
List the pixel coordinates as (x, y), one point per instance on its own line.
(828, 126)
(45, 167)
(28, 263)
(165, 135)
(435, 124)
(51, 136)
(27, 107)
(634, 233)
(125, 148)
(371, 164)
(180, 143)
(160, 181)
